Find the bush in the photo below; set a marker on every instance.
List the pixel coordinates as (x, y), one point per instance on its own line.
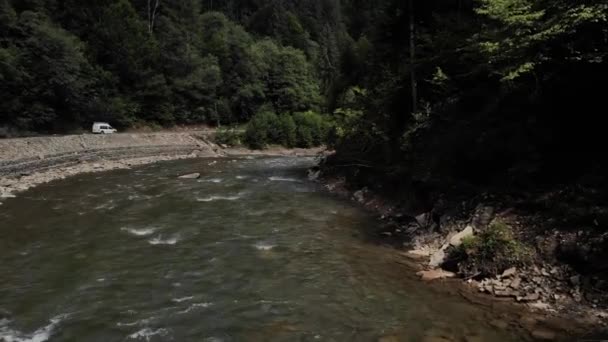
(228, 136)
(492, 251)
(288, 136)
(302, 129)
(312, 129)
(263, 129)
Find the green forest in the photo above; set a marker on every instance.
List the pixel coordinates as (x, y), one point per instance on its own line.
(451, 89)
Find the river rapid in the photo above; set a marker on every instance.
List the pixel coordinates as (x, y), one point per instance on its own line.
(251, 251)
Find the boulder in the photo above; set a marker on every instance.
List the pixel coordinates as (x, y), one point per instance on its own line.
(515, 283)
(437, 258)
(435, 274)
(456, 240)
(191, 176)
(509, 272)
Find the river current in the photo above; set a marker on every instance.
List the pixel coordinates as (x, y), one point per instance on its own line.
(251, 251)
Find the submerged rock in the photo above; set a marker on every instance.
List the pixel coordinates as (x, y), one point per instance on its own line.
(435, 274)
(191, 176)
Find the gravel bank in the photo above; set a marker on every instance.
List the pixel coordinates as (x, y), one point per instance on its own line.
(27, 162)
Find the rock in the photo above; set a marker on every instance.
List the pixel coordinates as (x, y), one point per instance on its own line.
(515, 283)
(506, 293)
(537, 280)
(529, 298)
(543, 334)
(509, 272)
(418, 254)
(437, 258)
(314, 175)
(575, 280)
(191, 176)
(540, 306)
(423, 219)
(360, 195)
(482, 217)
(435, 274)
(456, 240)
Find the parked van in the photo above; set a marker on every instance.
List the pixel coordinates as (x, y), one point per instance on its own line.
(103, 128)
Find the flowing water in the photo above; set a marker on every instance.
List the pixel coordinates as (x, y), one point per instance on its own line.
(252, 251)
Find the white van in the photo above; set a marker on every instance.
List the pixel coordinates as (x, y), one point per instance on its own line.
(103, 128)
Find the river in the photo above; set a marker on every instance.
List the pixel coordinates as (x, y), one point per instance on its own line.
(251, 251)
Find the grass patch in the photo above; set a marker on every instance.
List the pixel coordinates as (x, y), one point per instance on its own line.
(492, 251)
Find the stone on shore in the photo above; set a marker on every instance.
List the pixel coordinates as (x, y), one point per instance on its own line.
(191, 176)
(435, 274)
(456, 240)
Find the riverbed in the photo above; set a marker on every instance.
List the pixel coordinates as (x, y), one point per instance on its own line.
(251, 251)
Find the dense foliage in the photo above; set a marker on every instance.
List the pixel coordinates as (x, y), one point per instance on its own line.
(484, 91)
(467, 90)
(66, 63)
(302, 129)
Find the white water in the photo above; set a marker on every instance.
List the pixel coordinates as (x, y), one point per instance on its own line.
(139, 232)
(146, 334)
(218, 198)
(160, 241)
(283, 179)
(194, 307)
(43, 334)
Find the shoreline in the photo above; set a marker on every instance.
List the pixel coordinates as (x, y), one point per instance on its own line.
(11, 186)
(543, 321)
(538, 320)
(28, 162)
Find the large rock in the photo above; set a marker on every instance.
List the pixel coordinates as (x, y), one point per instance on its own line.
(438, 258)
(191, 176)
(509, 272)
(456, 240)
(435, 274)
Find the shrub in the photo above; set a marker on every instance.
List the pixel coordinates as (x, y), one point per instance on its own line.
(228, 136)
(312, 129)
(304, 130)
(492, 251)
(288, 129)
(263, 129)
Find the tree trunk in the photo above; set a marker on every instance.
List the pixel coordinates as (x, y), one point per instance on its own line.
(414, 83)
(152, 11)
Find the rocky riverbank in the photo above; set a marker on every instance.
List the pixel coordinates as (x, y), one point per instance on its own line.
(550, 290)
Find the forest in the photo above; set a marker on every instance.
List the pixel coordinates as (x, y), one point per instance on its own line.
(482, 90)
